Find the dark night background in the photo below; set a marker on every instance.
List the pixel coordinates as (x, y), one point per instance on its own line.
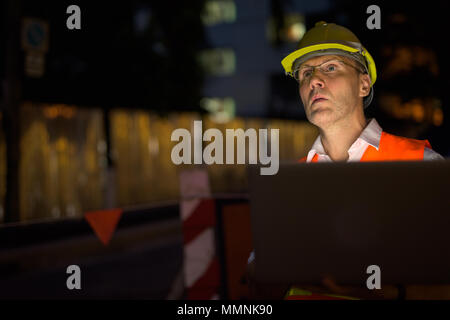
(145, 56)
(110, 63)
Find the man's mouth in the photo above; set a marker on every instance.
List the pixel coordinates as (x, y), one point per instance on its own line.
(317, 98)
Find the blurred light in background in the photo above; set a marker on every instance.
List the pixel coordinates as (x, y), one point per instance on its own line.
(56, 212)
(398, 18)
(438, 117)
(295, 32)
(62, 166)
(219, 11)
(218, 61)
(291, 32)
(55, 111)
(71, 211)
(153, 146)
(403, 59)
(221, 110)
(141, 19)
(159, 48)
(419, 110)
(101, 146)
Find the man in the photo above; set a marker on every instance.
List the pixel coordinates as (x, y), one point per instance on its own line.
(336, 75)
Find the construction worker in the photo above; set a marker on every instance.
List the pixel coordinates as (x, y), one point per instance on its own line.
(336, 74)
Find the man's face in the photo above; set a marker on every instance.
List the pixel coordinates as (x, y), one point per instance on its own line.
(332, 92)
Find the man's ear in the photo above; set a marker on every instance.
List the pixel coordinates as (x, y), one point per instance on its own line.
(364, 85)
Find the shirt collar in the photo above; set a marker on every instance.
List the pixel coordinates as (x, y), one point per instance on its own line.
(371, 135)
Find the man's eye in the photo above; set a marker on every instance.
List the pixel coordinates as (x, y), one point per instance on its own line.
(330, 68)
(306, 73)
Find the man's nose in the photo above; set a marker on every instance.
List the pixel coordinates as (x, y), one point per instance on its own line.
(316, 80)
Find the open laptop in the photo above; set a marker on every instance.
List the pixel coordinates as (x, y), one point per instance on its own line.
(313, 219)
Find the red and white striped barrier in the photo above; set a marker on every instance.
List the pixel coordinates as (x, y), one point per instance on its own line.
(201, 265)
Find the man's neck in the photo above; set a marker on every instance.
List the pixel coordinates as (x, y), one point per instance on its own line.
(337, 139)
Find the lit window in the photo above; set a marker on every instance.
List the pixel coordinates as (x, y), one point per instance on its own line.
(221, 110)
(219, 11)
(219, 62)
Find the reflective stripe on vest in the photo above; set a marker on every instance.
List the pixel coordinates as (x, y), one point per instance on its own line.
(391, 148)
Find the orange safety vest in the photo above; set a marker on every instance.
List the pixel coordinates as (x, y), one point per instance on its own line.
(391, 148)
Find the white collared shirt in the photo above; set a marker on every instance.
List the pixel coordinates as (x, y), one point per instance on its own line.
(371, 135)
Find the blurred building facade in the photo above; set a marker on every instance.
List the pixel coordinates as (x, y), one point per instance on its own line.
(246, 42)
(64, 170)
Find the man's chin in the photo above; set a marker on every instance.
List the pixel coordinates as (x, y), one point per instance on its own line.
(321, 118)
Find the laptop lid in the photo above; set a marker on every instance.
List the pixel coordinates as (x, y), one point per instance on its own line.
(313, 219)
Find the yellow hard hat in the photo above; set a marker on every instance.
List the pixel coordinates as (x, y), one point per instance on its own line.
(329, 38)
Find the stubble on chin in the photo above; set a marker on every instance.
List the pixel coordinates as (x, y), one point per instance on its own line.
(322, 118)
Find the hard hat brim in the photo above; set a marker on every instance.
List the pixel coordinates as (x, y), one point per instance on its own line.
(289, 60)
